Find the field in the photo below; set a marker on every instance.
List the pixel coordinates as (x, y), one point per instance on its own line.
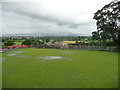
(18, 43)
(68, 42)
(53, 68)
(0, 71)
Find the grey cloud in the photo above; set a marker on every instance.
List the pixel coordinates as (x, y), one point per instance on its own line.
(22, 17)
(25, 11)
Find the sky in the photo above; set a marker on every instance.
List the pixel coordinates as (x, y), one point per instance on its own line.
(49, 16)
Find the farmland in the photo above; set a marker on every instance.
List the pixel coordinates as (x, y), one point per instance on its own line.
(68, 42)
(57, 68)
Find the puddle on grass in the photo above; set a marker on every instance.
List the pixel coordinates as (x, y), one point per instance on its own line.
(66, 52)
(18, 52)
(50, 57)
(11, 54)
(14, 53)
(47, 58)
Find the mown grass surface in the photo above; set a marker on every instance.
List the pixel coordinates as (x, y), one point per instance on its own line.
(77, 69)
(0, 71)
(18, 43)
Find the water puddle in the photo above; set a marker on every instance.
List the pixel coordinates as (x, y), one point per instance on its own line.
(18, 52)
(66, 52)
(50, 57)
(14, 53)
(11, 54)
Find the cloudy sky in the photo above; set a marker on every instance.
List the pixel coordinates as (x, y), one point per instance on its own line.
(49, 16)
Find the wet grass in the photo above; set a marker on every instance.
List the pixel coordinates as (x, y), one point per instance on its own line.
(77, 69)
(0, 71)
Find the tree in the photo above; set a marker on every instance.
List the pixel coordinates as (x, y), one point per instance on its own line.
(32, 42)
(108, 22)
(8, 43)
(35, 43)
(47, 40)
(95, 35)
(26, 42)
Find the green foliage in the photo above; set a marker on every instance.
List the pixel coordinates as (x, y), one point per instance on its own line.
(31, 42)
(47, 40)
(95, 35)
(107, 23)
(4, 47)
(26, 42)
(9, 43)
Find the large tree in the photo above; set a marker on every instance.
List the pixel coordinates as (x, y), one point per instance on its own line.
(108, 22)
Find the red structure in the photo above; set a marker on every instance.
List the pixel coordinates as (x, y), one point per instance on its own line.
(18, 46)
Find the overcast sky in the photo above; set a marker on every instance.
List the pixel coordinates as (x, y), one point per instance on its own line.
(49, 16)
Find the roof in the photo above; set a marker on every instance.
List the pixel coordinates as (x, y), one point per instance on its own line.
(18, 46)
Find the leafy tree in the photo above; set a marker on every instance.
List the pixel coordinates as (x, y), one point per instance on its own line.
(26, 42)
(47, 40)
(108, 22)
(9, 43)
(95, 35)
(43, 41)
(35, 43)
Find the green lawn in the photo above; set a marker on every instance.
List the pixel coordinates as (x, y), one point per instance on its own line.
(76, 69)
(0, 70)
(17, 43)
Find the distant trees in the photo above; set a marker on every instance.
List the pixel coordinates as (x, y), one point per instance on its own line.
(44, 42)
(33, 43)
(26, 42)
(47, 40)
(8, 43)
(108, 23)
